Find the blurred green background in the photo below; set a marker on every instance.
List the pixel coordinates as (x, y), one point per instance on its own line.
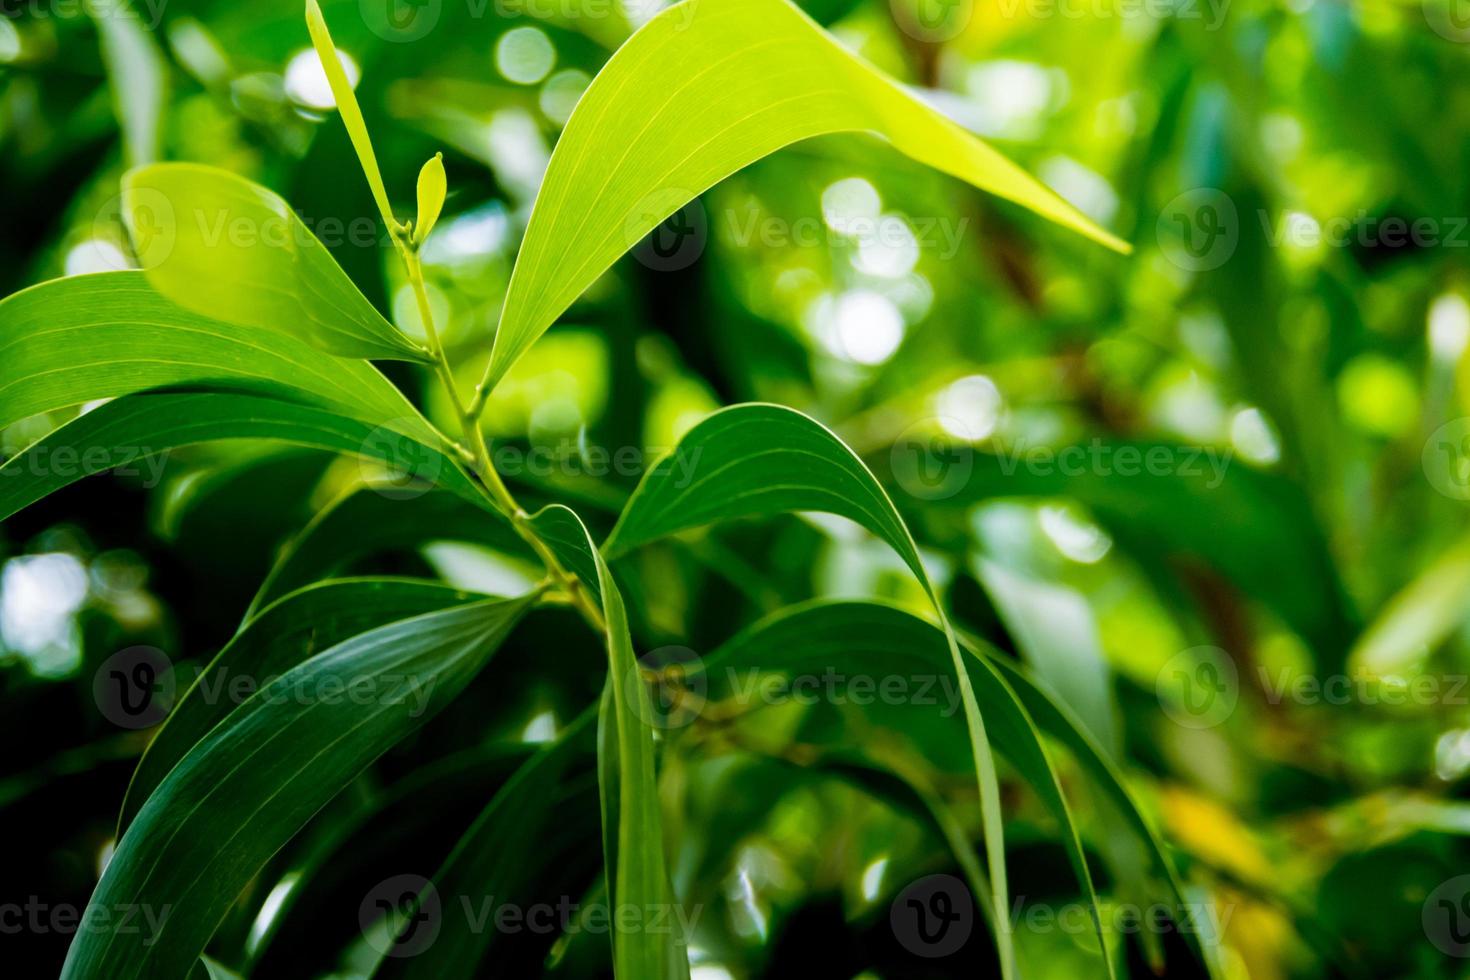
(1266, 627)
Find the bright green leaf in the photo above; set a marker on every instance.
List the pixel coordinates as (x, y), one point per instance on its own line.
(230, 249)
(759, 460)
(699, 92)
(431, 190)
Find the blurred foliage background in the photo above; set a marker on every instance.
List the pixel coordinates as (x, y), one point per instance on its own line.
(1292, 176)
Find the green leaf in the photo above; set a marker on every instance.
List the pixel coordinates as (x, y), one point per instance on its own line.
(366, 521)
(1058, 636)
(129, 433)
(258, 776)
(227, 248)
(636, 866)
(699, 92)
(759, 460)
(342, 93)
(137, 74)
(82, 338)
(284, 635)
(1418, 618)
(431, 190)
(526, 841)
(880, 641)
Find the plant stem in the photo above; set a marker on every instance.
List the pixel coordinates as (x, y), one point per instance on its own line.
(469, 422)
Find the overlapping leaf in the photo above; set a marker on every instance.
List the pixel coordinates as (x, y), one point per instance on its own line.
(284, 635)
(82, 338)
(760, 460)
(636, 868)
(699, 92)
(258, 776)
(232, 250)
(122, 432)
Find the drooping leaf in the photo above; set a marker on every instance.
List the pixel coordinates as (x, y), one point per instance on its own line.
(531, 835)
(227, 248)
(877, 642)
(699, 92)
(759, 460)
(251, 784)
(636, 866)
(284, 635)
(367, 520)
(126, 431)
(82, 338)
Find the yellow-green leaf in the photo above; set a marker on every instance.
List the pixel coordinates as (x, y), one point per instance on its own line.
(220, 245)
(346, 101)
(432, 188)
(699, 92)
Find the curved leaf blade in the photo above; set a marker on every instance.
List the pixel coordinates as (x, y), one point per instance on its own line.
(699, 92)
(881, 641)
(760, 460)
(246, 789)
(122, 432)
(227, 248)
(637, 871)
(284, 635)
(83, 338)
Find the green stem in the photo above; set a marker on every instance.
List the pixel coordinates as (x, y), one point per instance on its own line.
(479, 449)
